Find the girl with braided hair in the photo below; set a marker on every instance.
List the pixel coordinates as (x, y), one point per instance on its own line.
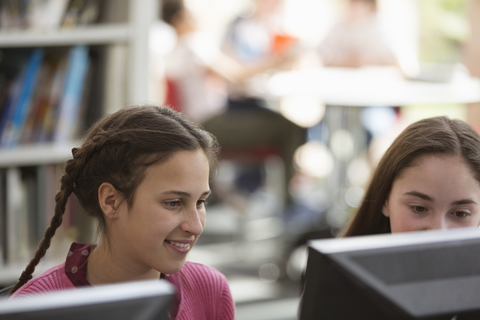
(144, 173)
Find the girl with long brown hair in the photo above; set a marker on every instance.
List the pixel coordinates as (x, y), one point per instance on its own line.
(143, 172)
(429, 178)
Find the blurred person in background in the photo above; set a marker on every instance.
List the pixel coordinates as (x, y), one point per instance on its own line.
(204, 77)
(255, 37)
(357, 40)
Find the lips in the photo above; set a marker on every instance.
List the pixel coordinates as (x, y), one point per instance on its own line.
(179, 246)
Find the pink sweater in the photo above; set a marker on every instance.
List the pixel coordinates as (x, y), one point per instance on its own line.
(203, 291)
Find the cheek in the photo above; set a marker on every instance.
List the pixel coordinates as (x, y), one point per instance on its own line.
(203, 219)
(402, 221)
(403, 224)
(476, 220)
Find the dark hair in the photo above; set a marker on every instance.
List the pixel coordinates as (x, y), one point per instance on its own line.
(118, 149)
(170, 10)
(438, 135)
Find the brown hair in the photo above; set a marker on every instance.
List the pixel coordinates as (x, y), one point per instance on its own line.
(118, 149)
(438, 135)
(171, 9)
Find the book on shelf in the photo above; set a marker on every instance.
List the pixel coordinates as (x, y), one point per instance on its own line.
(30, 179)
(3, 227)
(10, 102)
(44, 127)
(42, 173)
(70, 102)
(27, 210)
(16, 217)
(21, 214)
(46, 95)
(40, 100)
(4, 91)
(12, 13)
(47, 15)
(13, 65)
(20, 108)
(81, 13)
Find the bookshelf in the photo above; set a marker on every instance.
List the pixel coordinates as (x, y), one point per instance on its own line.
(89, 35)
(36, 154)
(31, 171)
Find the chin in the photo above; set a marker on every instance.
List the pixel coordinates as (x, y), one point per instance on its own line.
(173, 268)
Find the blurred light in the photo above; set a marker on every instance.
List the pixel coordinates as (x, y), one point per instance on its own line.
(297, 262)
(226, 172)
(342, 144)
(269, 272)
(304, 110)
(314, 159)
(262, 229)
(354, 196)
(309, 20)
(162, 38)
(358, 172)
(378, 120)
(248, 289)
(337, 218)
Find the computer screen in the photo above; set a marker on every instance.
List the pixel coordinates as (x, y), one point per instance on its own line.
(149, 299)
(415, 275)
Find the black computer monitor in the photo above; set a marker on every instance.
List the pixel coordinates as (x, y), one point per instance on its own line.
(149, 299)
(415, 275)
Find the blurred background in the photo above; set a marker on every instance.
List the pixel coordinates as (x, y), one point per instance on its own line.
(303, 95)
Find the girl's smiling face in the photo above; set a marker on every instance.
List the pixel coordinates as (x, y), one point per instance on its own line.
(436, 192)
(167, 215)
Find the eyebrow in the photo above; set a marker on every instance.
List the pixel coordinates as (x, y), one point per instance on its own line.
(185, 194)
(428, 198)
(420, 195)
(464, 201)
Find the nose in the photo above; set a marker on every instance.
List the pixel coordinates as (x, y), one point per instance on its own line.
(193, 222)
(437, 222)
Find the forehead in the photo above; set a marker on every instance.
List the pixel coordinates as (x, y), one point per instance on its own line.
(439, 171)
(181, 167)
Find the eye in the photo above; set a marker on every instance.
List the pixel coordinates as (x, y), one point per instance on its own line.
(419, 209)
(201, 203)
(173, 204)
(460, 214)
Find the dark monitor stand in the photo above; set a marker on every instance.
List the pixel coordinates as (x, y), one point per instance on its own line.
(417, 275)
(145, 300)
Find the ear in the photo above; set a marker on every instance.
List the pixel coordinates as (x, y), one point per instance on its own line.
(109, 200)
(386, 209)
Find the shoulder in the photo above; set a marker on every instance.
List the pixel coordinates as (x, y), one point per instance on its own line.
(203, 272)
(51, 280)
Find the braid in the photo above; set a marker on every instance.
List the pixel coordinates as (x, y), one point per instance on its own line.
(61, 198)
(72, 171)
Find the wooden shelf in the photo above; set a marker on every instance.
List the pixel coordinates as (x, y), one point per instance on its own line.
(89, 35)
(34, 155)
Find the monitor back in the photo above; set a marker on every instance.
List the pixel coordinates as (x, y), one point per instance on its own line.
(419, 275)
(133, 300)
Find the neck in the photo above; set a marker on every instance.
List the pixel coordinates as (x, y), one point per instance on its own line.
(106, 264)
